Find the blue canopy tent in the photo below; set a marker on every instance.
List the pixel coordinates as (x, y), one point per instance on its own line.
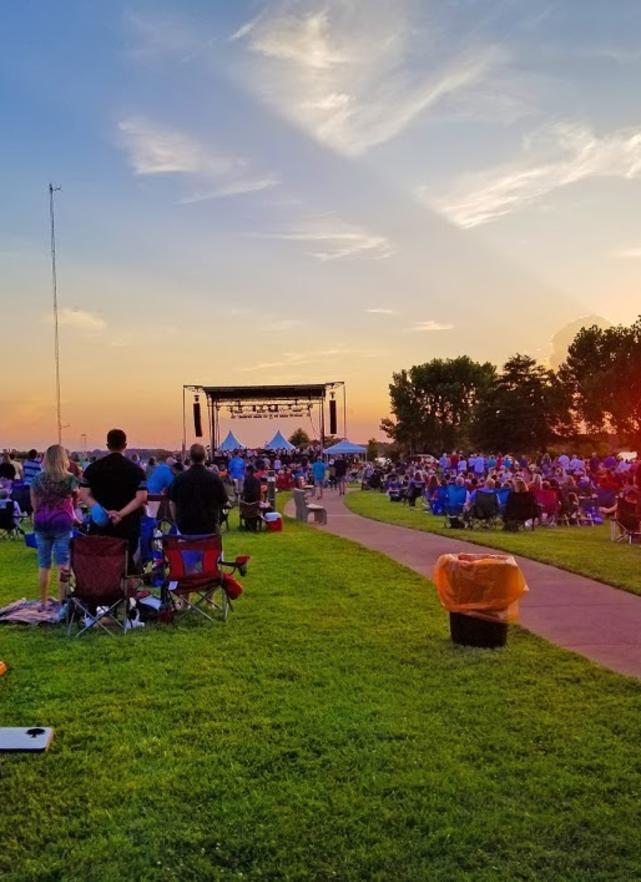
(231, 442)
(345, 447)
(279, 442)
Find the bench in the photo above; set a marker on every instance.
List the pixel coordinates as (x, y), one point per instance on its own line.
(305, 508)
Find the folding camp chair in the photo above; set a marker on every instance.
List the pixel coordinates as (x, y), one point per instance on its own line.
(195, 567)
(589, 513)
(10, 520)
(485, 510)
(98, 588)
(250, 517)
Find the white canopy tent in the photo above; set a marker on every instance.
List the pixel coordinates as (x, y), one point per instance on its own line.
(231, 442)
(279, 442)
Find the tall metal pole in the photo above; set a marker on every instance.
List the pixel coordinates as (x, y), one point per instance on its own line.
(56, 327)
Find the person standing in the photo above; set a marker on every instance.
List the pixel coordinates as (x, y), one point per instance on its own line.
(318, 473)
(119, 486)
(340, 466)
(197, 497)
(31, 467)
(52, 493)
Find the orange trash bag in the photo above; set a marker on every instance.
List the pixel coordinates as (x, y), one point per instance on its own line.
(486, 586)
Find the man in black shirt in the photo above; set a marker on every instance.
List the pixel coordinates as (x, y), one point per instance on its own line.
(119, 486)
(341, 472)
(197, 496)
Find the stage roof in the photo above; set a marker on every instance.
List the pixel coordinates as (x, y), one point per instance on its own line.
(302, 391)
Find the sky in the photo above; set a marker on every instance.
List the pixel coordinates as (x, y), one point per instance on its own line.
(275, 192)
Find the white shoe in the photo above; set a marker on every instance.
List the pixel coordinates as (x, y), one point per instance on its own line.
(130, 624)
(88, 621)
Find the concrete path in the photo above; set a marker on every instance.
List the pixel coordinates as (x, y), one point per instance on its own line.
(587, 617)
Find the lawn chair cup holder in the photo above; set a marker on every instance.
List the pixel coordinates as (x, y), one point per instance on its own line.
(481, 593)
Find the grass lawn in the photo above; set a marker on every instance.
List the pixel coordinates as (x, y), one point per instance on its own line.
(330, 730)
(585, 550)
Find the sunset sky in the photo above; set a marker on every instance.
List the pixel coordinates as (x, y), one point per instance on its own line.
(266, 192)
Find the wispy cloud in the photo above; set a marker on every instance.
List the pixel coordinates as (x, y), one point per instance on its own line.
(300, 359)
(155, 150)
(80, 318)
(553, 157)
(287, 324)
(627, 253)
(380, 310)
(346, 72)
(333, 239)
(430, 325)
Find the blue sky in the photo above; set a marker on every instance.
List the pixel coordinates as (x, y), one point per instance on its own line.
(299, 191)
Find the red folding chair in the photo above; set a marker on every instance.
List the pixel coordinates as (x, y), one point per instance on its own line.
(98, 586)
(195, 567)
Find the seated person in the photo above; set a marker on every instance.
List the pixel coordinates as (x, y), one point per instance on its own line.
(439, 498)
(284, 480)
(520, 506)
(252, 491)
(548, 501)
(6, 502)
(627, 510)
(483, 503)
(457, 497)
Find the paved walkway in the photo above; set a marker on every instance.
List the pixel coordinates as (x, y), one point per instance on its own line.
(582, 615)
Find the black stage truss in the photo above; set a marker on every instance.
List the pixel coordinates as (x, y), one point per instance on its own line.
(264, 402)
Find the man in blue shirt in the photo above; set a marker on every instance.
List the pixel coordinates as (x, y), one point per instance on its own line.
(237, 471)
(318, 473)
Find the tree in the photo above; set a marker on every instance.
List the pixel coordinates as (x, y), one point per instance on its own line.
(372, 449)
(433, 403)
(523, 409)
(603, 374)
(299, 438)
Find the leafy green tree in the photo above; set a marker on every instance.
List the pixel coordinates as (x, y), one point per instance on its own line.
(299, 438)
(523, 409)
(372, 449)
(603, 373)
(433, 403)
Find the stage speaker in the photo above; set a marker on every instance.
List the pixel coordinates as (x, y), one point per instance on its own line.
(198, 426)
(333, 428)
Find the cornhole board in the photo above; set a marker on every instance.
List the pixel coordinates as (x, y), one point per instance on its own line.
(34, 739)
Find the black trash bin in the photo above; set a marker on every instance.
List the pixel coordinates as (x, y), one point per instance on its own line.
(471, 631)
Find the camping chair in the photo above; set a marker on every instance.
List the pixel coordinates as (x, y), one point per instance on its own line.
(485, 510)
(305, 508)
(194, 567)
(250, 516)
(10, 517)
(589, 513)
(98, 586)
(158, 507)
(454, 506)
(626, 524)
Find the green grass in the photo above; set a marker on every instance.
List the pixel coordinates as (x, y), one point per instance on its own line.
(584, 550)
(329, 731)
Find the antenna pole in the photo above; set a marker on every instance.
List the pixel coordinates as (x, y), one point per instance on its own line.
(56, 327)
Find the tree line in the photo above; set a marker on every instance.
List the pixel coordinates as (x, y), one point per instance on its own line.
(524, 406)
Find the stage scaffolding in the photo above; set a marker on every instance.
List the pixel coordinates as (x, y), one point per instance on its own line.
(265, 402)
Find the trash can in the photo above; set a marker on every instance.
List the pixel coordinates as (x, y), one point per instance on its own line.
(481, 593)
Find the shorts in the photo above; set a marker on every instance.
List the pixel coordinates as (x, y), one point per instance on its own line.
(54, 545)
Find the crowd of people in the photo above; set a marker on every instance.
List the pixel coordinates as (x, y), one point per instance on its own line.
(546, 489)
(109, 495)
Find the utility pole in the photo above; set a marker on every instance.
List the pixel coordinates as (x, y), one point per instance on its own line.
(56, 328)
